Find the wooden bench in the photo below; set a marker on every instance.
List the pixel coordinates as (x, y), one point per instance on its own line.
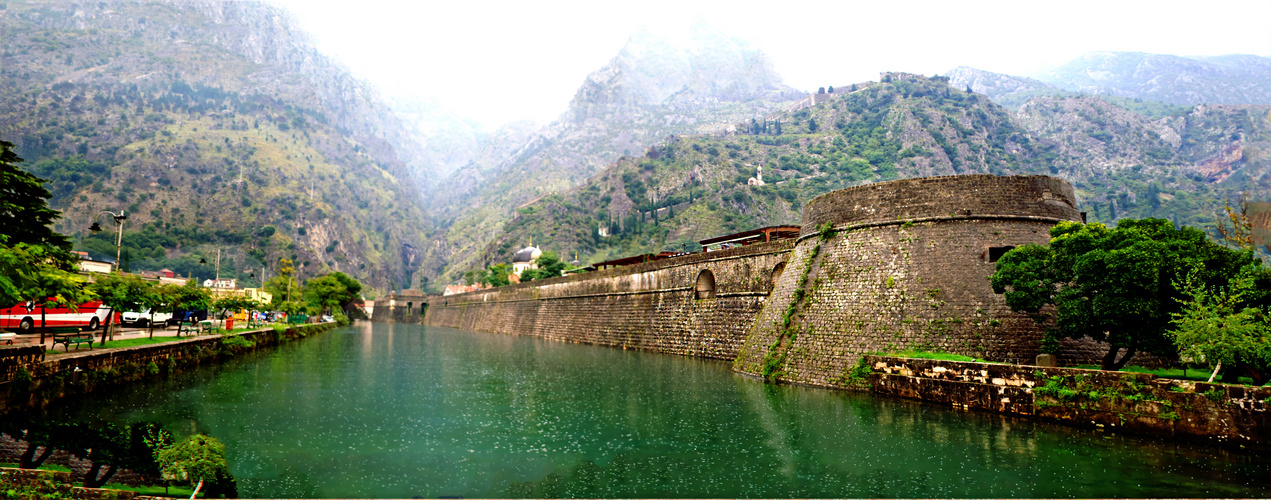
(206, 326)
(185, 326)
(68, 335)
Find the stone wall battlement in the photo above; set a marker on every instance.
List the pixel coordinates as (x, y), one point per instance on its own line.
(1022, 197)
(905, 268)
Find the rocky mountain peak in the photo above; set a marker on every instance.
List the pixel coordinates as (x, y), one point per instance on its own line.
(661, 67)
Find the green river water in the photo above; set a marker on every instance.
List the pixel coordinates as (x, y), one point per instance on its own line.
(376, 410)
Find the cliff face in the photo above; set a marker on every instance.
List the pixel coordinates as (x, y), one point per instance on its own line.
(214, 124)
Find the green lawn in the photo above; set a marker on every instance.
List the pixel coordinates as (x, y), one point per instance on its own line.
(156, 340)
(157, 491)
(126, 343)
(52, 467)
(943, 356)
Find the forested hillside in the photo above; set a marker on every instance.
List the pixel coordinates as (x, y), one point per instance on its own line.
(1123, 164)
(214, 125)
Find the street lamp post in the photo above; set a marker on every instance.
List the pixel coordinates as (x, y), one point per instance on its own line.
(119, 239)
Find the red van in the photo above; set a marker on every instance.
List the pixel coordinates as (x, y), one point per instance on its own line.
(24, 317)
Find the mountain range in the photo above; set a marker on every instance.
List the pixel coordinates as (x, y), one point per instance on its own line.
(217, 126)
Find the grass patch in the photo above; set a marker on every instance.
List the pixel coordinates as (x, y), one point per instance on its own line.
(141, 341)
(156, 491)
(124, 343)
(1193, 374)
(942, 356)
(52, 467)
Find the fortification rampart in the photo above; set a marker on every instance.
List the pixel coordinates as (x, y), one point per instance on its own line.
(406, 307)
(695, 305)
(903, 265)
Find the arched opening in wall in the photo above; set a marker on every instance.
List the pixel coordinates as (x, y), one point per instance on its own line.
(705, 288)
(997, 252)
(410, 306)
(776, 275)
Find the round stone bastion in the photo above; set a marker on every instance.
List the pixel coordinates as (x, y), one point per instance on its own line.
(900, 266)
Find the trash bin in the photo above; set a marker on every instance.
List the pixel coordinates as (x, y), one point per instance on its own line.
(229, 323)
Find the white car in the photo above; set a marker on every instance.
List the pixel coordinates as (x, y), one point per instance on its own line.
(141, 319)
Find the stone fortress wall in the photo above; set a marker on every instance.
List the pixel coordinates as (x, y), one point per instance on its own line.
(695, 305)
(903, 265)
(905, 268)
(406, 307)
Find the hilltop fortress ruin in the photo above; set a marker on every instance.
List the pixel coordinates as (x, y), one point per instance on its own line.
(881, 267)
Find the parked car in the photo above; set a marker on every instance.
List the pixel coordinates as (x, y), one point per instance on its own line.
(142, 318)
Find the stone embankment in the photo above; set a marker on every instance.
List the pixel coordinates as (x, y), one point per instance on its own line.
(1135, 403)
(30, 484)
(29, 381)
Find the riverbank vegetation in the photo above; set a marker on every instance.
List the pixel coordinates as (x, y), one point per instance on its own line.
(1147, 286)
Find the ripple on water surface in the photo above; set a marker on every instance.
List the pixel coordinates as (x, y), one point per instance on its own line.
(378, 410)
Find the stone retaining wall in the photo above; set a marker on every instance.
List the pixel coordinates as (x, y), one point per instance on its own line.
(32, 381)
(25, 483)
(1138, 403)
(663, 306)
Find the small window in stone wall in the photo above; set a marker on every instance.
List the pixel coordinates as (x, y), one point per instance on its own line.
(776, 274)
(410, 306)
(705, 288)
(997, 252)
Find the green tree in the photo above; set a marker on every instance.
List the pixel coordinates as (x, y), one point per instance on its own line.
(326, 292)
(25, 216)
(190, 297)
(352, 289)
(1113, 285)
(549, 265)
(1227, 325)
(38, 275)
(284, 285)
(193, 461)
(498, 275)
(119, 292)
(160, 299)
(226, 305)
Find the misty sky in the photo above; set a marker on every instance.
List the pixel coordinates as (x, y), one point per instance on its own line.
(497, 62)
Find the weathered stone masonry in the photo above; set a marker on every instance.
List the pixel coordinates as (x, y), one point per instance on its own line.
(903, 265)
(906, 268)
(696, 305)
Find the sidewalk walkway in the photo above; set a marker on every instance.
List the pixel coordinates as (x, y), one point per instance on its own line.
(121, 333)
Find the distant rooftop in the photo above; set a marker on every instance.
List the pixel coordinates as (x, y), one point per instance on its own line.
(761, 235)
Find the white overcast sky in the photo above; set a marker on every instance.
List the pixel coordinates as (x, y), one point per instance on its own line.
(497, 62)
